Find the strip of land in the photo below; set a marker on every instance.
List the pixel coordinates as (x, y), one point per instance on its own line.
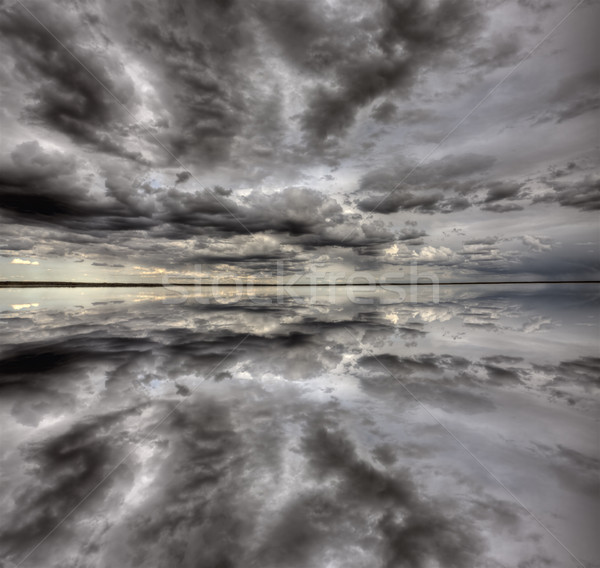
(32, 284)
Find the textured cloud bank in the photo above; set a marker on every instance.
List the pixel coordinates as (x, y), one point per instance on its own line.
(241, 134)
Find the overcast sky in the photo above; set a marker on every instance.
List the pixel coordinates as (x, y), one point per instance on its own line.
(150, 139)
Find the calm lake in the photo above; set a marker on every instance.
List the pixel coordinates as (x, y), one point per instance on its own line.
(154, 427)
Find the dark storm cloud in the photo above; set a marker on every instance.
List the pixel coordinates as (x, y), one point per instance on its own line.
(498, 193)
(17, 244)
(202, 102)
(182, 177)
(538, 5)
(47, 189)
(583, 194)
(482, 241)
(500, 359)
(440, 173)
(411, 234)
(293, 211)
(501, 191)
(558, 262)
(402, 200)
(205, 104)
(68, 95)
(399, 200)
(500, 51)
(403, 38)
(455, 183)
(263, 95)
(435, 187)
(385, 112)
(502, 207)
(199, 54)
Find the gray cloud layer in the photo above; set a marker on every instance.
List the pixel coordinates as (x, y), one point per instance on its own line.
(190, 125)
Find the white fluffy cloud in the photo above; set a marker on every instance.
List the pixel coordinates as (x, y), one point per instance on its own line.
(433, 254)
(23, 261)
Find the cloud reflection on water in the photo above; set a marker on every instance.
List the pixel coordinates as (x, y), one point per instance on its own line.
(297, 447)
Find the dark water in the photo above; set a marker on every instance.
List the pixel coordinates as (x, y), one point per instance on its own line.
(141, 430)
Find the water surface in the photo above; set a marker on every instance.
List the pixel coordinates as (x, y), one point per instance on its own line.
(147, 427)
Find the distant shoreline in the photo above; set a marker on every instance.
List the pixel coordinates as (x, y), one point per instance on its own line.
(7, 284)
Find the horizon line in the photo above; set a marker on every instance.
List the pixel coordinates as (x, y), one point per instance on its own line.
(59, 284)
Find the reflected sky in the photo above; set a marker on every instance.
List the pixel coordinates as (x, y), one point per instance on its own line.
(148, 427)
